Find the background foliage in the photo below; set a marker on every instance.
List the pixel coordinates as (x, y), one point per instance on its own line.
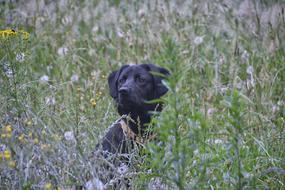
(223, 122)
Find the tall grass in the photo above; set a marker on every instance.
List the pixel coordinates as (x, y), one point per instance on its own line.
(223, 121)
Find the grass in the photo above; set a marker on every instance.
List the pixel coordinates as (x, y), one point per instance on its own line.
(223, 122)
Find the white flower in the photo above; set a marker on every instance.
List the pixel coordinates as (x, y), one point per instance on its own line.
(66, 20)
(120, 33)
(74, 78)
(20, 57)
(218, 141)
(69, 136)
(62, 51)
(141, 13)
(196, 152)
(44, 79)
(95, 29)
(250, 79)
(280, 103)
(94, 184)
(7, 69)
(123, 168)
(244, 56)
(198, 40)
(249, 70)
(275, 108)
(50, 100)
(210, 112)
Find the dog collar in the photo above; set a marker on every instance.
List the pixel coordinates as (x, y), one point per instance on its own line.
(128, 132)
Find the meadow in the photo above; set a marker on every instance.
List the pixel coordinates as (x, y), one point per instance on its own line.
(223, 123)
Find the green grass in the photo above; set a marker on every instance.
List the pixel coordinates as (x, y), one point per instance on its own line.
(223, 123)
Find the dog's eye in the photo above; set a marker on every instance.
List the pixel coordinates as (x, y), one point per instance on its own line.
(140, 79)
(122, 80)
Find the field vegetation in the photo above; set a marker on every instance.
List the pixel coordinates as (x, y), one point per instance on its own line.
(222, 126)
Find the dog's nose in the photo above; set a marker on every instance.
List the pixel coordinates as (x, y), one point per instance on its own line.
(124, 91)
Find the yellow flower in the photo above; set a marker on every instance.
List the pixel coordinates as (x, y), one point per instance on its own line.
(36, 141)
(3, 135)
(56, 137)
(28, 122)
(78, 89)
(8, 128)
(93, 102)
(30, 134)
(44, 132)
(21, 137)
(12, 164)
(9, 32)
(48, 185)
(45, 147)
(7, 154)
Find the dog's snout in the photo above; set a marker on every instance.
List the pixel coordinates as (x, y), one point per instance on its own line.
(124, 91)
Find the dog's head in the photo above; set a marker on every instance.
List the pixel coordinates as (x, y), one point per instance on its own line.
(132, 86)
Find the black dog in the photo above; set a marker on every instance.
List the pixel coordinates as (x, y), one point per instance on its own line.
(132, 87)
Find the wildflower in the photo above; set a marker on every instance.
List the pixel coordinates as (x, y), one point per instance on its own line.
(2, 147)
(66, 20)
(21, 137)
(48, 186)
(93, 102)
(198, 40)
(280, 103)
(8, 128)
(7, 33)
(62, 51)
(244, 56)
(218, 141)
(79, 90)
(7, 69)
(28, 122)
(45, 146)
(7, 132)
(56, 137)
(141, 13)
(275, 108)
(120, 33)
(36, 141)
(44, 79)
(95, 183)
(210, 112)
(95, 29)
(69, 136)
(50, 101)
(74, 78)
(123, 168)
(10, 33)
(7, 154)
(196, 152)
(250, 80)
(249, 70)
(99, 93)
(20, 57)
(12, 164)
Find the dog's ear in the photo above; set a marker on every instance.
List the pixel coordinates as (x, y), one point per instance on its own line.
(158, 74)
(113, 81)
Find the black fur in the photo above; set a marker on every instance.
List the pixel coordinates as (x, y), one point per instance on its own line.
(132, 86)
